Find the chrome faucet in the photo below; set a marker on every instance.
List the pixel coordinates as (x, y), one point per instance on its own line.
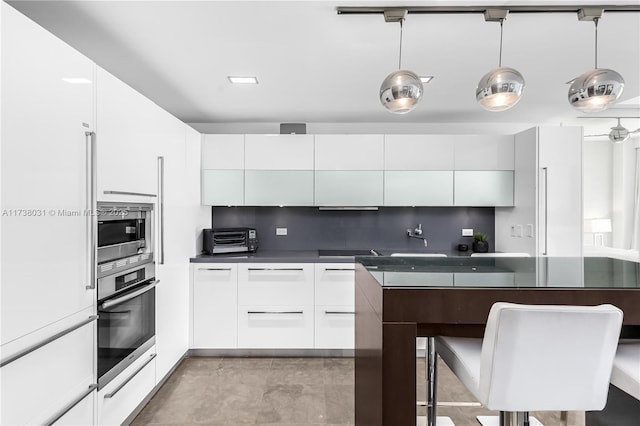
(417, 233)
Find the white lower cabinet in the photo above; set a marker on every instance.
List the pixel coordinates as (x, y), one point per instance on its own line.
(214, 305)
(275, 305)
(120, 397)
(37, 387)
(275, 326)
(334, 305)
(272, 305)
(81, 414)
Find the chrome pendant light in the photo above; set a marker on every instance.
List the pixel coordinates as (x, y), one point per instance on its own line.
(401, 91)
(597, 89)
(501, 88)
(619, 133)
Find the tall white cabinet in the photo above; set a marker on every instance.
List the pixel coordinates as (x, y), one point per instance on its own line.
(547, 217)
(46, 280)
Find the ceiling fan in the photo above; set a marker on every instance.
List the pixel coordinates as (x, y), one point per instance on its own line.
(618, 133)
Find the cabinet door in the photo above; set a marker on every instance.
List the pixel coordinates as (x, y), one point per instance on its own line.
(419, 152)
(482, 152)
(288, 284)
(348, 188)
(349, 152)
(215, 305)
(37, 386)
(418, 188)
(82, 413)
(278, 152)
(223, 152)
(127, 132)
(45, 238)
(335, 305)
(223, 187)
(278, 188)
(118, 399)
(275, 327)
(483, 188)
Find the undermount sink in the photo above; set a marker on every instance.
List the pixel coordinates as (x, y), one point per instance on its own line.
(419, 254)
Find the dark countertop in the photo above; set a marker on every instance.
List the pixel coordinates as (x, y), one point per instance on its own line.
(294, 256)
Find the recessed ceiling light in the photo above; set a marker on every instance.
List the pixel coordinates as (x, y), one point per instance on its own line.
(76, 80)
(243, 80)
(426, 78)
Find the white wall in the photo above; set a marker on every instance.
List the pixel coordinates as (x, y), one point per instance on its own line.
(598, 183)
(623, 192)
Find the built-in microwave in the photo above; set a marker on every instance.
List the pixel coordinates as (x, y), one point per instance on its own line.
(124, 230)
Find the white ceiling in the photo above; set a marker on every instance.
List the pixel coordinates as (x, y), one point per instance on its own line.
(316, 66)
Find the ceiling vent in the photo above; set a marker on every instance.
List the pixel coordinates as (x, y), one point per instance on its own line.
(293, 128)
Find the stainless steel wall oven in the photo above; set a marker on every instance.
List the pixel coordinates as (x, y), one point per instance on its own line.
(126, 287)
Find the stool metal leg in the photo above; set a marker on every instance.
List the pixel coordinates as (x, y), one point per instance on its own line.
(514, 418)
(431, 368)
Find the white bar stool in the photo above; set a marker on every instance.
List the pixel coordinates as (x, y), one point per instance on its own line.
(626, 368)
(537, 358)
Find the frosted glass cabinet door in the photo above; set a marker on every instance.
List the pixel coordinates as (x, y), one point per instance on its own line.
(278, 188)
(483, 188)
(418, 188)
(348, 188)
(223, 187)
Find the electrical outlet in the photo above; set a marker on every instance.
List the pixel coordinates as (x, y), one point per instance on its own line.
(467, 232)
(281, 231)
(513, 230)
(519, 231)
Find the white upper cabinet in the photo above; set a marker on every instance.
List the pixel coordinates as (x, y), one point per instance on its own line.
(349, 152)
(348, 188)
(482, 152)
(418, 188)
(278, 152)
(480, 188)
(419, 152)
(223, 152)
(45, 177)
(127, 135)
(278, 188)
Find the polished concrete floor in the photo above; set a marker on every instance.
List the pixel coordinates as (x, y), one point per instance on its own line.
(287, 391)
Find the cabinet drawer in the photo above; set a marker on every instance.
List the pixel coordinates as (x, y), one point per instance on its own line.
(121, 396)
(334, 284)
(215, 306)
(334, 327)
(275, 284)
(81, 414)
(37, 386)
(278, 327)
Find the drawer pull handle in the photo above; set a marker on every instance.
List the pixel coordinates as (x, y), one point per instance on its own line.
(48, 340)
(276, 269)
(339, 269)
(123, 384)
(68, 407)
(339, 313)
(275, 312)
(141, 194)
(214, 269)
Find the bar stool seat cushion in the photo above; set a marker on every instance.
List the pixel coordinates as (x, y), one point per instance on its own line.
(626, 368)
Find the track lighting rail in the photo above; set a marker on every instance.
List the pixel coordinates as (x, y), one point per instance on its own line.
(364, 10)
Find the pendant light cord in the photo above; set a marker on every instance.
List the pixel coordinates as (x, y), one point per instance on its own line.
(400, 56)
(595, 21)
(500, 59)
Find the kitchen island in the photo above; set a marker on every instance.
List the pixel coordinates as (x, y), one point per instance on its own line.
(398, 299)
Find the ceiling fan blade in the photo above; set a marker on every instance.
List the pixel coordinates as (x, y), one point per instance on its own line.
(594, 136)
(635, 131)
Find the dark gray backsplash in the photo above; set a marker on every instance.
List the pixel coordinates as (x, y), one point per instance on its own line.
(309, 228)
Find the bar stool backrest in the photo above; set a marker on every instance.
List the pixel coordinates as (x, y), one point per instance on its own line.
(541, 357)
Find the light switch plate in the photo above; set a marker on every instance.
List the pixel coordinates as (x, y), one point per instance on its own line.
(467, 232)
(281, 231)
(529, 230)
(519, 231)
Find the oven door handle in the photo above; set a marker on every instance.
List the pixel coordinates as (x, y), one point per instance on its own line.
(118, 300)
